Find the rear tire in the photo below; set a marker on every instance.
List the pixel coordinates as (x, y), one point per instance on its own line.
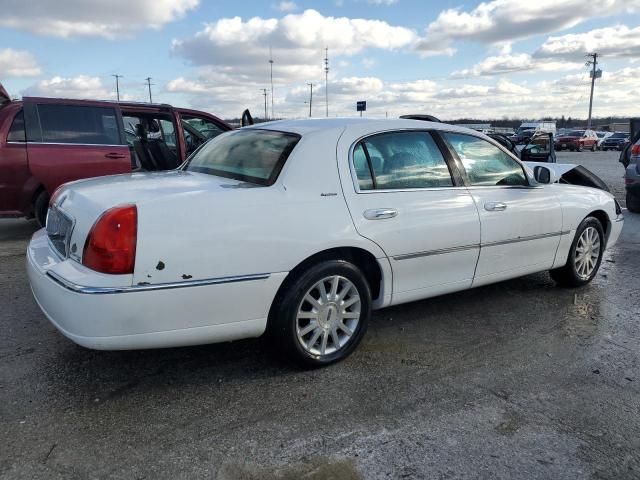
(633, 202)
(585, 255)
(594, 147)
(40, 207)
(322, 314)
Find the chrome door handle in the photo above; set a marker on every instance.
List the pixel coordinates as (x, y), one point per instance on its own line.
(380, 213)
(495, 206)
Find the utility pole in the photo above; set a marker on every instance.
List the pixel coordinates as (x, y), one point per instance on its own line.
(310, 97)
(117, 85)
(326, 80)
(148, 79)
(594, 63)
(264, 93)
(271, 68)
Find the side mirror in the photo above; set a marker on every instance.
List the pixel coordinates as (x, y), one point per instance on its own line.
(542, 174)
(246, 119)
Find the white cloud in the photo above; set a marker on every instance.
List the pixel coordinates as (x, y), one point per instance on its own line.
(508, 20)
(82, 86)
(91, 18)
(505, 64)
(618, 41)
(18, 63)
(286, 6)
(241, 48)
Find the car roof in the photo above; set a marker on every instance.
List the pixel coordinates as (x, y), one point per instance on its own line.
(314, 125)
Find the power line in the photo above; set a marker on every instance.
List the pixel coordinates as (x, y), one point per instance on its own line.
(118, 77)
(148, 79)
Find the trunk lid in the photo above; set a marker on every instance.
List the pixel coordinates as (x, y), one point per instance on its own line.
(83, 201)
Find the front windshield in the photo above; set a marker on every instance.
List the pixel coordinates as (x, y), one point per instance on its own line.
(620, 135)
(251, 155)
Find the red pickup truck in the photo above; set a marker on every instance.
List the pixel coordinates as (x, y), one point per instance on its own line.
(45, 142)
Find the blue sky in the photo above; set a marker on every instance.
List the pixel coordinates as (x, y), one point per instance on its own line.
(501, 58)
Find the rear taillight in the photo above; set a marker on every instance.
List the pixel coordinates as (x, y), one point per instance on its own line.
(635, 149)
(111, 244)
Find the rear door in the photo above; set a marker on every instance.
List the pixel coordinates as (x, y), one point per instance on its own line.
(68, 142)
(521, 223)
(403, 195)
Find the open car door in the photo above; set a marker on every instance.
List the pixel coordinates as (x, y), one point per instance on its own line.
(4, 96)
(539, 149)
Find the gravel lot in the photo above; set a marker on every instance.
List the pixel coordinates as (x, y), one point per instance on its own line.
(515, 380)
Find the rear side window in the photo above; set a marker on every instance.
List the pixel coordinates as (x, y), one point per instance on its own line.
(78, 124)
(400, 160)
(253, 155)
(17, 132)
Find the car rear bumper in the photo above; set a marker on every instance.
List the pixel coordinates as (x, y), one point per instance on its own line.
(151, 316)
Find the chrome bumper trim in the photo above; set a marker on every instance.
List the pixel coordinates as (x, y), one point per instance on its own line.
(145, 287)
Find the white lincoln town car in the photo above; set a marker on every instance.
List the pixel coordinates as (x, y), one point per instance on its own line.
(300, 229)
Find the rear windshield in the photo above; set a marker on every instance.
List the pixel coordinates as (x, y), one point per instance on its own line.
(253, 155)
(620, 135)
(575, 133)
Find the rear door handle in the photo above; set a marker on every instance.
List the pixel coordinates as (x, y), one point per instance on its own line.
(380, 213)
(115, 155)
(495, 206)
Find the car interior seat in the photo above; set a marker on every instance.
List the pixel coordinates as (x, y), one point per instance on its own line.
(140, 149)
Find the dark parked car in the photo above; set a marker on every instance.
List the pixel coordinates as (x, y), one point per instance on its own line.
(45, 142)
(577, 140)
(616, 141)
(630, 158)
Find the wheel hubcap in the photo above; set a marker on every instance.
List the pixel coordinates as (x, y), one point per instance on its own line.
(587, 252)
(328, 315)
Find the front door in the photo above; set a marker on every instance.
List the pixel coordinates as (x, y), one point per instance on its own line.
(403, 196)
(521, 222)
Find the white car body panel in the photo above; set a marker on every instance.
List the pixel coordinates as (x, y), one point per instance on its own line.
(213, 252)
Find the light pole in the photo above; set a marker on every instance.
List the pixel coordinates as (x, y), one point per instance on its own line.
(310, 97)
(117, 85)
(593, 62)
(264, 93)
(148, 79)
(271, 68)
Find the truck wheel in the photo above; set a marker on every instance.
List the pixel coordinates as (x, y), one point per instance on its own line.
(633, 203)
(579, 148)
(40, 207)
(594, 147)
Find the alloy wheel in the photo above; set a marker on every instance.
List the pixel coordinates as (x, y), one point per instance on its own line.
(328, 315)
(587, 252)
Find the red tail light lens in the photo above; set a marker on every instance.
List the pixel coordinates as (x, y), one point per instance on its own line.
(635, 149)
(111, 244)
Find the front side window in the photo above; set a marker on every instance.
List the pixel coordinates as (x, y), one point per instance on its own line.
(78, 124)
(400, 160)
(251, 155)
(486, 164)
(17, 131)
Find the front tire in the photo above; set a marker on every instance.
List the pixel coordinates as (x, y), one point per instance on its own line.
(594, 147)
(633, 202)
(40, 208)
(323, 314)
(585, 255)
